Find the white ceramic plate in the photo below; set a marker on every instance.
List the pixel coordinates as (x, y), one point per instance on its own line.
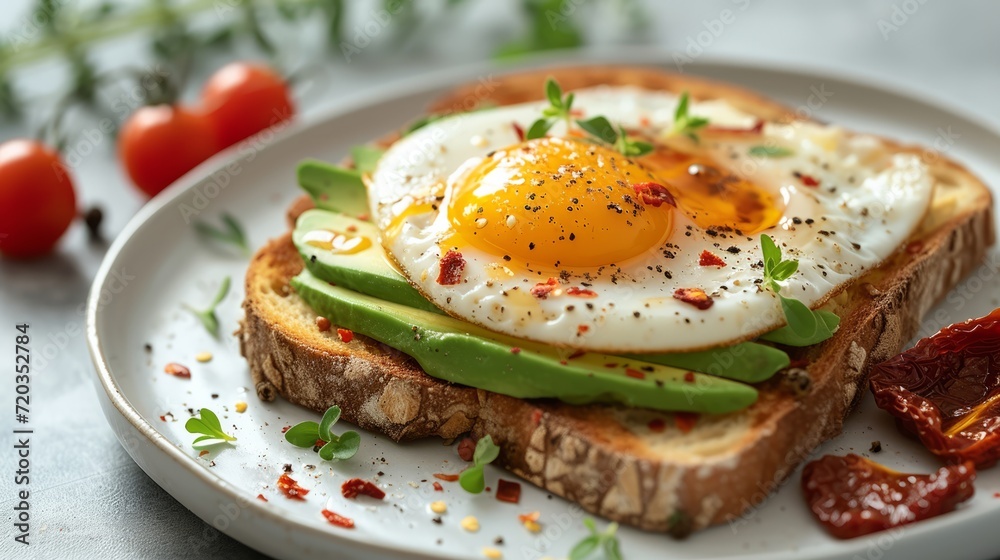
(158, 263)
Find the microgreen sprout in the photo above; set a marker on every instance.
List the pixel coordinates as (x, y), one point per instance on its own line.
(231, 233)
(559, 109)
(472, 479)
(601, 130)
(207, 316)
(332, 447)
(209, 426)
(607, 541)
(684, 123)
(805, 326)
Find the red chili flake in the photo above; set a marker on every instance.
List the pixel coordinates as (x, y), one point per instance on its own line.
(345, 335)
(654, 194)
(466, 449)
(582, 329)
(536, 417)
(452, 265)
(576, 113)
(563, 362)
(438, 487)
(352, 228)
(852, 496)
(808, 180)
(526, 517)
(203, 453)
(355, 486)
(946, 391)
(290, 488)
(611, 365)
(446, 477)
(177, 370)
(915, 247)
(685, 421)
(363, 217)
(163, 418)
(689, 377)
(709, 258)
(634, 373)
(285, 429)
(338, 520)
(519, 130)
(508, 491)
(581, 292)
(515, 350)
(644, 121)
(695, 296)
(542, 290)
(319, 443)
(261, 497)
(323, 324)
(657, 425)
(996, 494)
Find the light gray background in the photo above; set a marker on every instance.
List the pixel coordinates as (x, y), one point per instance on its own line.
(90, 500)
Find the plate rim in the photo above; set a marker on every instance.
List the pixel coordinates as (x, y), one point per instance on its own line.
(394, 90)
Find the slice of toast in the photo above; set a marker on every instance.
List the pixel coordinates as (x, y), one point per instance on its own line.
(639, 467)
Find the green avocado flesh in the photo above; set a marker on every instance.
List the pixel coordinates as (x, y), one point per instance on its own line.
(333, 188)
(368, 271)
(460, 352)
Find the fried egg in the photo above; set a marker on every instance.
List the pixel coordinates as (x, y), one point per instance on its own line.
(566, 241)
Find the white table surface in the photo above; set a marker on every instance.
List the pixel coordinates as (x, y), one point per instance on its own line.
(89, 500)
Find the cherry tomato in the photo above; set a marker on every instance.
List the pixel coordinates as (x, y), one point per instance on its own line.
(37, 201)
(242, 99)
(160, 143)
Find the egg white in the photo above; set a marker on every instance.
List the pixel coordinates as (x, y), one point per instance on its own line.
(868, 203)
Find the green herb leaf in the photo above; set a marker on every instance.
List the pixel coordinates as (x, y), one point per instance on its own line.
(232, 233)
(341, 448)
(826, 327)
(209, 425)
(538, 129)
(207, 316)
(612, 549)
(553, 92)
(784, 270)
(684, 123)
(486, 451)
(472, 479)
(585, 548)
(770, 151)
(303, 434)
(800, 318)
(330, 418)
(600, 128)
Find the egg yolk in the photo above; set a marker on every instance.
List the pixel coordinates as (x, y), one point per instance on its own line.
(713, 196)
(558, 202)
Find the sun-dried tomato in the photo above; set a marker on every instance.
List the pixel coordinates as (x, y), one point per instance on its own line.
(654, 194)
(580, 292)
(338, 520)
(452, 265)
(290, 488)
(852, 496)
(695, 296)
(508, 491)
(177, 370)
(355, 486)
(542, 290)
(709, 258)
(946, 391)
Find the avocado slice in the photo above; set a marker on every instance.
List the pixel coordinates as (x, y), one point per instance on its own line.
(459, 352)
(333, 188)
(785, 335)
(364, 268)
(747, 361)
(369, 271)
(366, 157)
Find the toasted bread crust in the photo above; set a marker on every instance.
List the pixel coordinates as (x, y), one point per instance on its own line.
(607, 458)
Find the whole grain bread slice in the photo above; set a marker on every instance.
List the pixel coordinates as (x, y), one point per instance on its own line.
(638, 467)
